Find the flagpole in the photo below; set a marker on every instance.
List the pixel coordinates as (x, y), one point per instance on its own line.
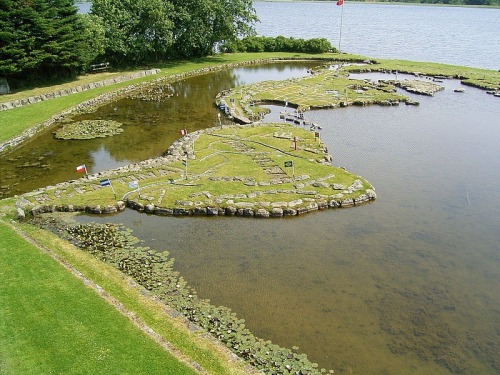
(341, 19)
(112, 189)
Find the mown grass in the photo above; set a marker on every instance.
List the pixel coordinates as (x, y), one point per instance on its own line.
(51, 323)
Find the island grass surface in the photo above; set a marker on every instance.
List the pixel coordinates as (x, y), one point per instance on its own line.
(260, 166)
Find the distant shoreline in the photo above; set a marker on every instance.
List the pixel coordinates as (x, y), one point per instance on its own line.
(381, 3)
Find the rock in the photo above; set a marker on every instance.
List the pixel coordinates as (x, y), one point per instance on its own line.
(20, 214)
(149, 208)
(109, 209)
(321, 184)
(289, 212)
(163, 211)
(296, 202)
(200, 211)
(338, 187)
(230, 210)
(277, 212)
(334, 204)
(347, 202)
(371, 194)
(356, 185)
(262, 212)
(212, 211)
(181, 212)
(247, 212)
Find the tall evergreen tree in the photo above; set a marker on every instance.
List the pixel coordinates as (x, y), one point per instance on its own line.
(40, 39)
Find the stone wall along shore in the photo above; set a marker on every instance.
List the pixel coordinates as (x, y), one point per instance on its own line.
(74, 90)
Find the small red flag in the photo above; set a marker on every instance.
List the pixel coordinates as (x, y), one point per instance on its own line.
(340, 2)
(184, 132)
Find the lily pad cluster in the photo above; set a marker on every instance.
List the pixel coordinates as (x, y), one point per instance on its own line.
(153, 92)
(89, 129)
(153, 270)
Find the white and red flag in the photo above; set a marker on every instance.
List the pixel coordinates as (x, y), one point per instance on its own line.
(184, 132)
(340, 2)
(81, 168)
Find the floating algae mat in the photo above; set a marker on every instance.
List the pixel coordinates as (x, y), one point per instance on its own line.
(256, 170)
(89, 129)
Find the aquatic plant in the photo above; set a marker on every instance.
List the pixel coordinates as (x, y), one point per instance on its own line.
(115, 245)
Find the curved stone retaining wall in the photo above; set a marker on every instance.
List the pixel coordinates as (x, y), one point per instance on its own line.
(313, 205)
(73, 90)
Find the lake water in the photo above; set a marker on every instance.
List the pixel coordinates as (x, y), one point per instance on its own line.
(451, 35)
(407, 285)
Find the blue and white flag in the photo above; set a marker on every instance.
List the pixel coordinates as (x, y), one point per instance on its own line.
(105, 182)
(133, 184)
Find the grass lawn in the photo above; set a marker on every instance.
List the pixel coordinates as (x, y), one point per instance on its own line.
(51, 323)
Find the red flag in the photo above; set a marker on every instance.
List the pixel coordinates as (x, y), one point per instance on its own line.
(340, 2)
(81, 168)
(184, 132)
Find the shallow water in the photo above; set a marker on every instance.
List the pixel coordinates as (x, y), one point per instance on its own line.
(408, 284)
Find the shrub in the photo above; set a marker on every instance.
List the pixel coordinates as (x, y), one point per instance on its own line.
(278, 44)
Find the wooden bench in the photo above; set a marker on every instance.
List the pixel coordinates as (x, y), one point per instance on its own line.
(99, 67)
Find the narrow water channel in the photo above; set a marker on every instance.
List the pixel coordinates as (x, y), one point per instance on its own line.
(408, 284)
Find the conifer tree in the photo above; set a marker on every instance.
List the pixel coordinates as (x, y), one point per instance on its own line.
(40, 40)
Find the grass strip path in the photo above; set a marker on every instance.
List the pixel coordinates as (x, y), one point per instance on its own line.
(51, 323)
(55, 324)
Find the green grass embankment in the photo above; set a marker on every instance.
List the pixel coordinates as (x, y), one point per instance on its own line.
(52, 323)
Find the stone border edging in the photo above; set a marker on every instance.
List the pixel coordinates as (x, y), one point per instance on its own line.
(5, 106)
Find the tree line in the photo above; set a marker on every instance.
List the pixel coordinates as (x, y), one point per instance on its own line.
(48, 40)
